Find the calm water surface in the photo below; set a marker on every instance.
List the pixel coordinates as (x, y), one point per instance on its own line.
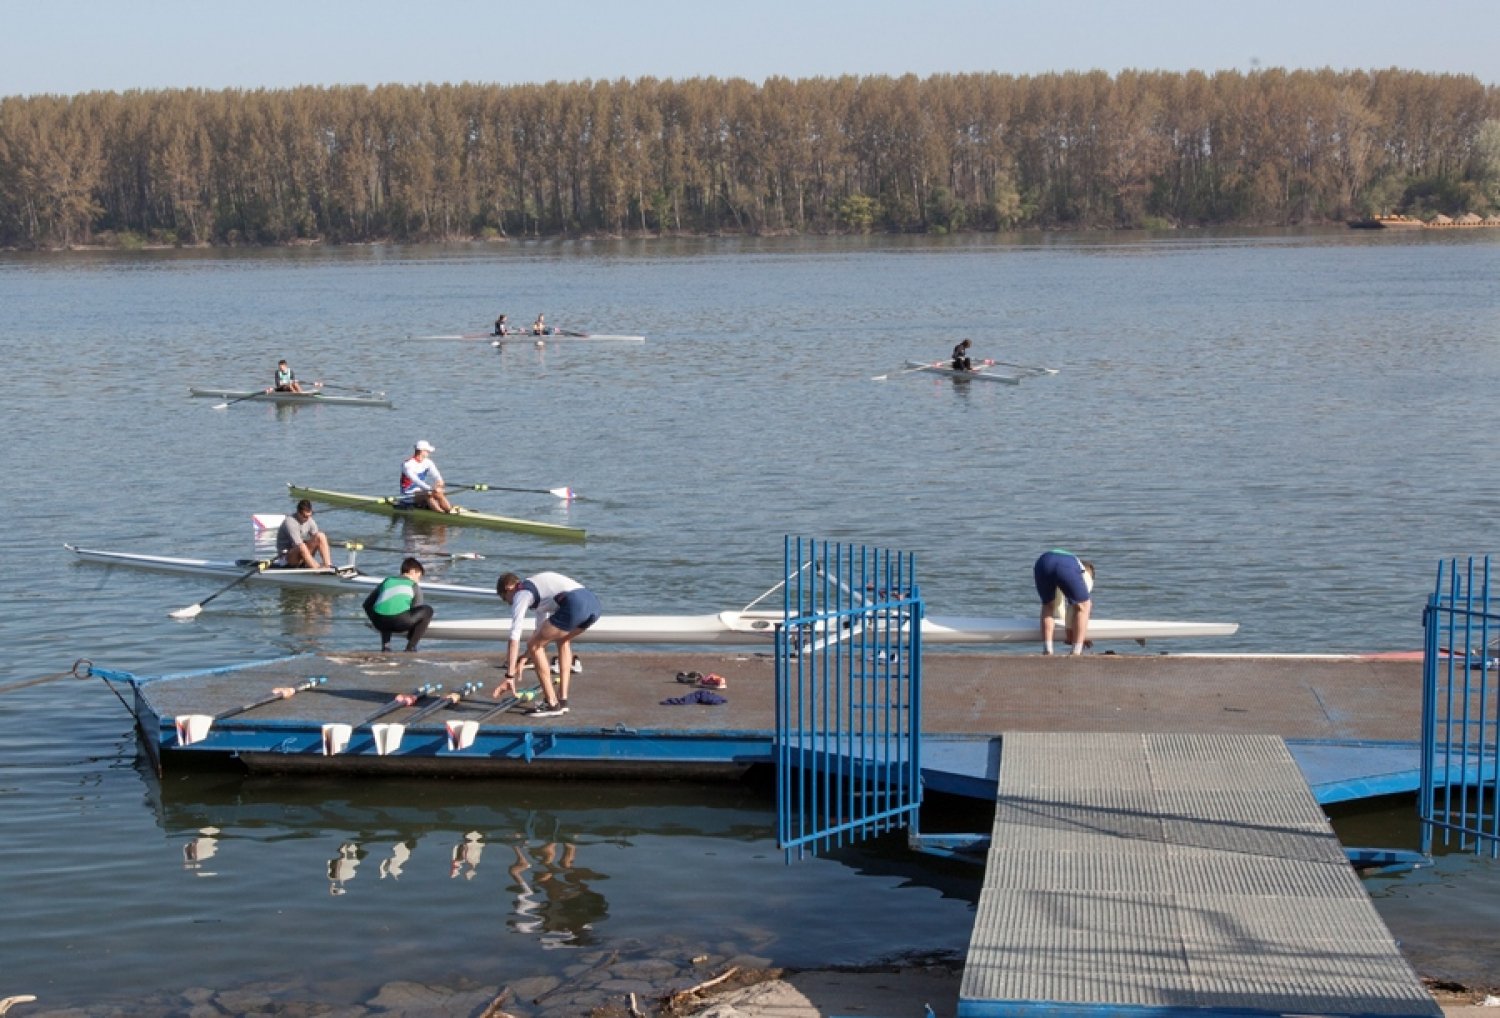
(1286, 430)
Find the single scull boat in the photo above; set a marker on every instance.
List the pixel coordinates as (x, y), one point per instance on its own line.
(944, 368)
(462, 517)
(377, 399)
(759, 627)
(323, 579)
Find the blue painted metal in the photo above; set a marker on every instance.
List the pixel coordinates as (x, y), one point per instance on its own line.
(1460, 737)
(848, 695)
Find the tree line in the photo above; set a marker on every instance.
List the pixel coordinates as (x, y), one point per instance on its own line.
(705, 155)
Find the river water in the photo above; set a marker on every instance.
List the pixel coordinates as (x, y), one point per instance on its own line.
(1283, 429)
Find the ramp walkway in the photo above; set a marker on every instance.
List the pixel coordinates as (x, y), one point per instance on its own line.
(1166, 874)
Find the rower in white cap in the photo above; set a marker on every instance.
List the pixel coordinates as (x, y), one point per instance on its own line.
(421, 483)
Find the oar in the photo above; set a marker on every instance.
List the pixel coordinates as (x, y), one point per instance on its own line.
(1024, 367)
(192, 610)
(239, 399)
(446, 700)
(914, 367)
(352, 388)
(279, 693)
(356, 546)
(193, 728)
(568, 494)
(401, 700)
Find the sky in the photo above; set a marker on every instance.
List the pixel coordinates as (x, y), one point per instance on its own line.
(70, 46)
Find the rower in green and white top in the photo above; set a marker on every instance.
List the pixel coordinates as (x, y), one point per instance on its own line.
(395, 606)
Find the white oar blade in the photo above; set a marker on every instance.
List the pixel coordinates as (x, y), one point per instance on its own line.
(192, 728)
(563, 493)
(190, 612)
(220, 406)
(468, 556)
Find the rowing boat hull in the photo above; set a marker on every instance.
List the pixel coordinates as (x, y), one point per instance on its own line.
(320, 579)
(963, 376)
(465, 518)
(315, 398)
(744, 628)
(565, 337)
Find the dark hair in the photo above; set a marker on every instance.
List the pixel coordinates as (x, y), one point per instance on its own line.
(408, 564)
(304, 504)
(506, 580)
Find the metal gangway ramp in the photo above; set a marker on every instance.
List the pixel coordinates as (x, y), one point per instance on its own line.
(1171, 874)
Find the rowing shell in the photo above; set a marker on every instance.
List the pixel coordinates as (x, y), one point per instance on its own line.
(963, 376)
(568, 337)
(463, 517)
(372, 399)
(528, 337)
(323, 579)
(759, 627)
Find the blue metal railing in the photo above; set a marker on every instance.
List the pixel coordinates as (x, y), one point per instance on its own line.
(848, 695)
(1460, 737)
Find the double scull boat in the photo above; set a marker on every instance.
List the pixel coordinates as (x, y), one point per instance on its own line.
(391, 506)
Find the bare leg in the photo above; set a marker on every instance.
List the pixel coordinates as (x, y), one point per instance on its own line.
(1078, 634)
(536, 649)
(321, 539)
(565, 661)
(1048, 624)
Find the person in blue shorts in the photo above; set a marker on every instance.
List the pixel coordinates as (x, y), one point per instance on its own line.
(1061, 574)
(564, 608)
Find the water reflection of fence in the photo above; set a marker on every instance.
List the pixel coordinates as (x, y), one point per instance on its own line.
(1460, 737)
(848, 694)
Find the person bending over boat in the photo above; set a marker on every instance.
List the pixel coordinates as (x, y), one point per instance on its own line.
(502, 327)
(286, 379)
(961, 360)
(1065, 581)
(299, 542)
(564, 608)
(396, 606)
(422, 483)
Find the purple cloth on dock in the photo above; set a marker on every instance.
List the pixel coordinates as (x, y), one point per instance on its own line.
(696, 696)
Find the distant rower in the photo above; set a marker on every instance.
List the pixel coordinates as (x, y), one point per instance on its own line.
(961, 361)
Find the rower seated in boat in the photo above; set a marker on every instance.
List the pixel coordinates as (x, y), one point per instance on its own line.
(502, 327)
(299, 542)
(961, 360)
(422, 483)
(286, 379)
(540, 327)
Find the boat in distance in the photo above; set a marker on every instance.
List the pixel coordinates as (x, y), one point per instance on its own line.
(390, 506)
(759, 627)
(977, 375)
(556, 335)
(348, 579)
(375, 399)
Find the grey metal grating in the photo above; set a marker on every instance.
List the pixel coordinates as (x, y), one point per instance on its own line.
(1176, 872)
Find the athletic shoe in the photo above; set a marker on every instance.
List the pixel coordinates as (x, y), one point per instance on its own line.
(577, 665)
(546, 710)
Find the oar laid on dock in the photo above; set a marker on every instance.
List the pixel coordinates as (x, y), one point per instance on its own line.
(336, 735)
(446, 700)
(193, 728)
(461, 734)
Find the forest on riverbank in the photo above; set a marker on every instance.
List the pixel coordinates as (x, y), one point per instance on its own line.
(351, 164)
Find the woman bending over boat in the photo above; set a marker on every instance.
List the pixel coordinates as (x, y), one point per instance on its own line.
(1065, 581)
(422, 483)
(564, 608)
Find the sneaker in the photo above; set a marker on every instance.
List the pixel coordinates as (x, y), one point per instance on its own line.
(563, 703)
(577, 665)
(546, 710)
(712, 681)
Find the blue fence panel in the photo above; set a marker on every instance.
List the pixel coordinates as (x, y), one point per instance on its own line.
(848, 695)
(1460, 740)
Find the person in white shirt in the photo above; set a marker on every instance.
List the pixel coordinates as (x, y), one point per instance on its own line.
(564, 608)
(421, 483)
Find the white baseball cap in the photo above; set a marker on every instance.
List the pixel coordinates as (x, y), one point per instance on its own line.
(425, 446)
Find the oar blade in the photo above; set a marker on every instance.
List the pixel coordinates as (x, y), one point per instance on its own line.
(192, 611)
